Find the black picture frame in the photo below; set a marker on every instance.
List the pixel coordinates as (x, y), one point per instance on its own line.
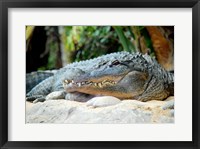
(6, 4)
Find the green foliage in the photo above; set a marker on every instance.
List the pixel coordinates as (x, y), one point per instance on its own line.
(148, 42)
(52, 57)
(90, 41)
(127, 45)
(86, 42)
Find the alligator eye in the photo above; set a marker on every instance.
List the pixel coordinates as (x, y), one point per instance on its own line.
(116, 62)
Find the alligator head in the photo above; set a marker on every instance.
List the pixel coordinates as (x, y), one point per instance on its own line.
(120, 78)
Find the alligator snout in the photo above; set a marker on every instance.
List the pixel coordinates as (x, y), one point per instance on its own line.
(123, 86)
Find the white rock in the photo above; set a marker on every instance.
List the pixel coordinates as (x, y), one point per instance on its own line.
(126, 111)
(55, 95)
(103, 101)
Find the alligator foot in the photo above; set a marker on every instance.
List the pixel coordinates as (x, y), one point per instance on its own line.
(103, 101)
(42, 99)
(36, 98)
(52, 96)
(32, 98)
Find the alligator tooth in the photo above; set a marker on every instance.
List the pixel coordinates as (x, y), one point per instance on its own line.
(66, 81)
(86, 82)
(108, 83)
(104, 81)
(100, 85)
(95, 84)
(72, 81)
(82, 83)
(79, 84)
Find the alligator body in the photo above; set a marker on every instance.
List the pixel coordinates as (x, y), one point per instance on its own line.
(123, 75)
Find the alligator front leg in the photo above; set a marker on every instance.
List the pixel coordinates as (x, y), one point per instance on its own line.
(52, 96)
(35, 98)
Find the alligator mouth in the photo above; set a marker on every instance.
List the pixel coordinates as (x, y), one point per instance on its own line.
(123, 86)
(92, 85)
(72, 85)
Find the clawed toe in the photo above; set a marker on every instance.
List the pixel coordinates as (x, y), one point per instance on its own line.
(33, 98)
(39, 100)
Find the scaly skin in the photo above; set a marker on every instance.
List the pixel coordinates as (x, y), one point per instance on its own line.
(38, 77)
(122, 75)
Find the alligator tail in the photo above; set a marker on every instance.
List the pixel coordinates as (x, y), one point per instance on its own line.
(34, 78)
(43, 88)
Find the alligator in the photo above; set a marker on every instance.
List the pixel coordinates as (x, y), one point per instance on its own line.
(122, 74)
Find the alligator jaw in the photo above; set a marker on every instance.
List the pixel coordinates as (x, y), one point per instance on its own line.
(93, 86)
(72, 85)
(123, 86)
